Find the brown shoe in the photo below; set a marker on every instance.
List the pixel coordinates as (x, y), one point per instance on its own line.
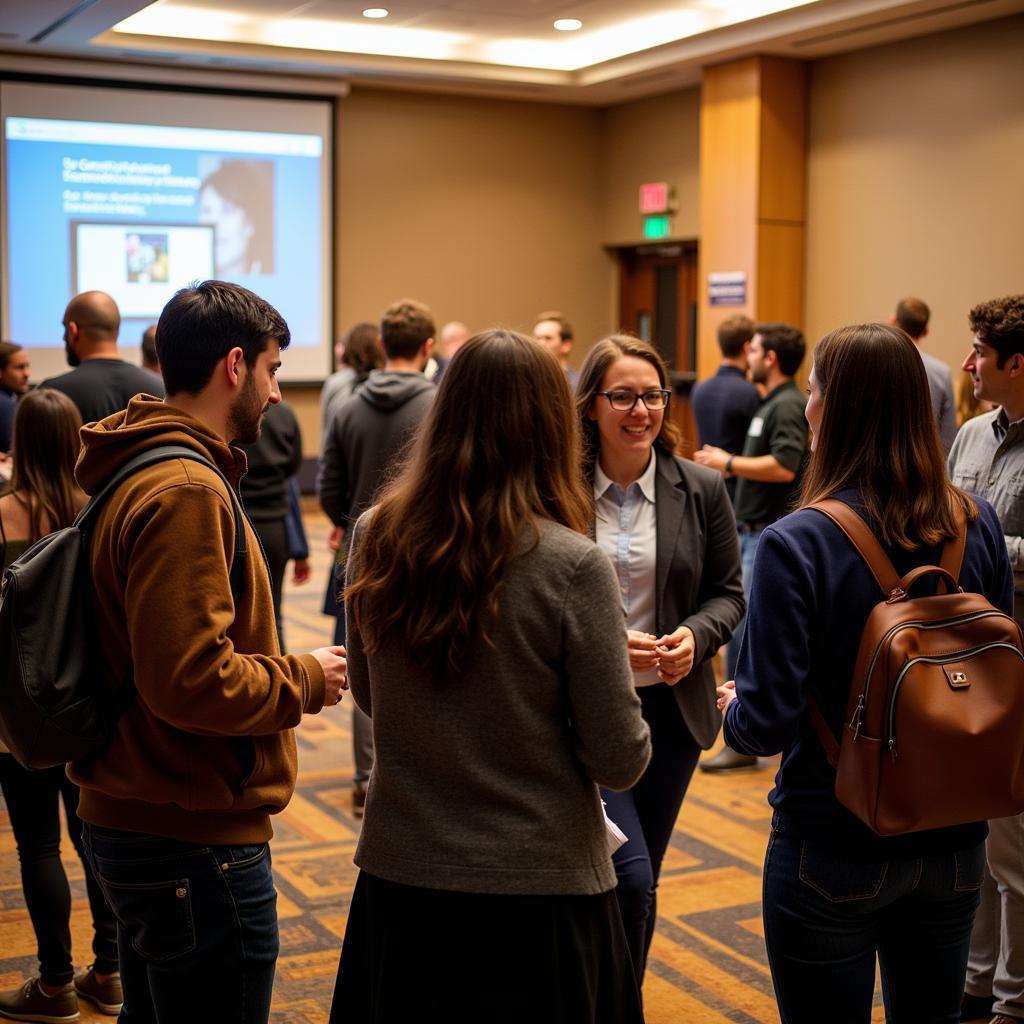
(1001, 1018)
(727, 760)
(105, 995)
(30, 1002)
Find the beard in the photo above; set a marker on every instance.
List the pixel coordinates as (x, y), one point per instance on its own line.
(246, 414)
(71, 355)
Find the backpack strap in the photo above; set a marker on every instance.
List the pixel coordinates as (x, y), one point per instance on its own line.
(861, 537)
(953, 550)
(886, 576)
(164, 453)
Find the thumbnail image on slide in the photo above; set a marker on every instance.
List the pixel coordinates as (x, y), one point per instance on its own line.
(236, 198)
(146, 259)
(137, 264)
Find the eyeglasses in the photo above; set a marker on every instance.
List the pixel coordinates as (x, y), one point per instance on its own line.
(624, 401)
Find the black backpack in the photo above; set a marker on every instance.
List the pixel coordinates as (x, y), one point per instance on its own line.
(56, 703)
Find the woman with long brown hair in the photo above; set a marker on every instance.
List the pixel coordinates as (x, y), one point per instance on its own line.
(43, 498)
(667, 526)
(836, 894)
(486, 641)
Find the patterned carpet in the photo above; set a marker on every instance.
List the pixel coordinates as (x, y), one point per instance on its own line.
(708, 963)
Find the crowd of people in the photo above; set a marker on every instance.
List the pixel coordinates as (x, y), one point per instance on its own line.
(531, 587)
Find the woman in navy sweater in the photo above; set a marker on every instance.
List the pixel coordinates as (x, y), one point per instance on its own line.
(835, 893)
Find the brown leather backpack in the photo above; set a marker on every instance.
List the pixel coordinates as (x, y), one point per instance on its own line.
(934, 731)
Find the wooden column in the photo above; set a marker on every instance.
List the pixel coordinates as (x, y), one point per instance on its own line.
(753, 129)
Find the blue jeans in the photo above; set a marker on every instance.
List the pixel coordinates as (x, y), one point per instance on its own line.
(647, 813)
(825, 918)
(196, 926)
(748, 548)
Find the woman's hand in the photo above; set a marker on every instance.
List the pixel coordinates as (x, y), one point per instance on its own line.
(301, 571)
(726, 695)
(675, 653)
(334, 538)
(642, 655)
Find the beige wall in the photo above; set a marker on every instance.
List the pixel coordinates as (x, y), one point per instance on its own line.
(916, 168)
(489, 211)
(655, 139)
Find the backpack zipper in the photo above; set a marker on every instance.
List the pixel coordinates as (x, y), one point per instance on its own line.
(935, 660)
(858, 714)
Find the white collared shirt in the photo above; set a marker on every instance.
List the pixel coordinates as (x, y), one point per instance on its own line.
(627, 532)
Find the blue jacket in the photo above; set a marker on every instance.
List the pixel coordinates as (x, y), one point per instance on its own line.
(810, 598)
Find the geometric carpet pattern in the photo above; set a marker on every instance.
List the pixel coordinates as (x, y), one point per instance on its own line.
(707, 963)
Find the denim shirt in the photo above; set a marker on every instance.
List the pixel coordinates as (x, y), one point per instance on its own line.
(987, 459)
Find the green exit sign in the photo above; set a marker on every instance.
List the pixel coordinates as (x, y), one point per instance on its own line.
(659, 226)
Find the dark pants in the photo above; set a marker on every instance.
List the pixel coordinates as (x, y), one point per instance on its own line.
(197, 926)
(825, 918)
(273, 535)
(647, 814)
(33, 804)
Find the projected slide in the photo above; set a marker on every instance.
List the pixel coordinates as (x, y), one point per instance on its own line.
(140, 210)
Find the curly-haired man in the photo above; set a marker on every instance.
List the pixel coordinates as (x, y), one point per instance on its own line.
(988, 459)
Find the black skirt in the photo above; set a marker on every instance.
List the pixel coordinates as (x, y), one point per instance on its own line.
(413, 954)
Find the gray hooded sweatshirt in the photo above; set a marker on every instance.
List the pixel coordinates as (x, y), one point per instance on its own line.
(364, 435)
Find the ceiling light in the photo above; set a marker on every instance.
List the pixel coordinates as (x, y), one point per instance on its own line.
(568, 24)
(375, 12)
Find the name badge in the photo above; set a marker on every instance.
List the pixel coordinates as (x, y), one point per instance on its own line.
(756, 426)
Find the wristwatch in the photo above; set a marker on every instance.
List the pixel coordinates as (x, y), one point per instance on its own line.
(728, 465)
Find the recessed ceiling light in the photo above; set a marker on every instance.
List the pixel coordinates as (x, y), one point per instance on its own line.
(375, 12)
(568, 24)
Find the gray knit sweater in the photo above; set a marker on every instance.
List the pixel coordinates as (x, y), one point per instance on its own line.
(488, 782)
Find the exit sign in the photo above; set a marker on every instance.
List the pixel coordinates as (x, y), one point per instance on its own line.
(659, 226)
(655, 197)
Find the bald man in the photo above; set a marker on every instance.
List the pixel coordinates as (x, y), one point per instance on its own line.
(101, 383)
(453, 336)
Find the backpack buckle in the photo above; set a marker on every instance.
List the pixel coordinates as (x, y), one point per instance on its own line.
(956, 677)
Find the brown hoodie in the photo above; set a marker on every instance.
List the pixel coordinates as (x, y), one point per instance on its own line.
(205, 752)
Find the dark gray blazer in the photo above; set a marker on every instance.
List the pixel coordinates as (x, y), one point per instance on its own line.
(698, 579)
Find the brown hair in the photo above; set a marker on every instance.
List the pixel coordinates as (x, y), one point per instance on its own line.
(7, 349)
(912, 316)
(404, 327)
(45, 449)
(362, 352)
(878, 434)
(498, 451)
(1000, 323)
(733, 333)
(564, 327)
(595, 366)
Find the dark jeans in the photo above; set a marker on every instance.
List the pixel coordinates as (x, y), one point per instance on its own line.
(826, 917)
(647, 814)
(33, 804)
(197, 926)
(749, 539)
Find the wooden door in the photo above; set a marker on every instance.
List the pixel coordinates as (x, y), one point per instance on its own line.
(658, 303)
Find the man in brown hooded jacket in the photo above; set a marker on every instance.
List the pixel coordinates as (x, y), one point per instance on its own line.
(176, 809)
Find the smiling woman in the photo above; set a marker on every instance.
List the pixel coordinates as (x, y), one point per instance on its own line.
(667, 527)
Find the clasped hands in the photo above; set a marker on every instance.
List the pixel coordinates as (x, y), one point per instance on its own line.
(672, 654)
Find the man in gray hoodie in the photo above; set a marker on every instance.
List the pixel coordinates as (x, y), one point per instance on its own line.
(362, 438)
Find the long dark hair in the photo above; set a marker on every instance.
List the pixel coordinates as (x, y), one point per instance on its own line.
(43, 456)
(878, 434)
(498, 451)
(595, 366)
